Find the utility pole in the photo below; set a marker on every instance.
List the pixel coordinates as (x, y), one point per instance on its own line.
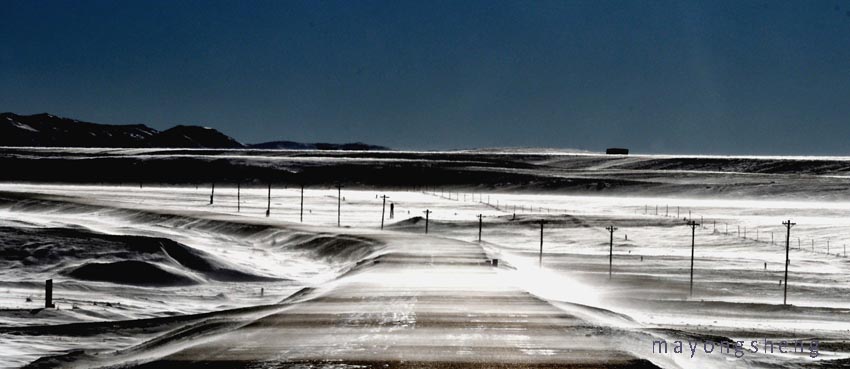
(238, 197)
(212, 193)
(788, 226)
(269, 204)
(611, 230)
(480, 222)
(427, 212)
(542, 222)
(302, 204)
(338, 204)
(693, 225)
(383, 209)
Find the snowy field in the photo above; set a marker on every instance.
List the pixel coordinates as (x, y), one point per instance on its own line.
(162, 259)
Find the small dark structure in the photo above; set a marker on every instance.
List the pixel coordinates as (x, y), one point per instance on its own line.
(616, 151)
(48, 294)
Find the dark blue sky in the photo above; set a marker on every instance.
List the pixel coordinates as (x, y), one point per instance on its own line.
(656, 76)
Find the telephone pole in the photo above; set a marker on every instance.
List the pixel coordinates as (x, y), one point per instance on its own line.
(480, 221)
(383, 209)
(693, 226)
(269, 204)
(338, 204)
(301, 219)
(542, 222)
(212, 193)
(611, 230)
(427, 212)
(788, 226)
(238, 197)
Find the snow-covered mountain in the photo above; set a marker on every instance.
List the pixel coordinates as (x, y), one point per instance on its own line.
(47, 130)
(52, 131)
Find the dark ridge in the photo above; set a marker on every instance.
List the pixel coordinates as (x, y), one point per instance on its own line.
(193, 137)
(290, 145)
(47, 130)
(52, 131)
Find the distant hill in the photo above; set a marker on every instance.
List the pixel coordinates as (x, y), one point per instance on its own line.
(290, 145)
(46, 130)
(193, 136)
(50, 130)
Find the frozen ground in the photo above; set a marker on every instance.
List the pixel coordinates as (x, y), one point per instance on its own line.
(359, 296)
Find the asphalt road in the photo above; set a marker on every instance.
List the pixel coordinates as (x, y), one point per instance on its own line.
(428, 302)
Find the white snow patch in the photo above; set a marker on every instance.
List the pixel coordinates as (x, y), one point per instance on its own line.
(22, 126)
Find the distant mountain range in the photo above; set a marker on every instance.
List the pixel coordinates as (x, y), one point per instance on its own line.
(51, 131)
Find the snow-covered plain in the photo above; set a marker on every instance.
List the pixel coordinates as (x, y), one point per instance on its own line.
(739, 253)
